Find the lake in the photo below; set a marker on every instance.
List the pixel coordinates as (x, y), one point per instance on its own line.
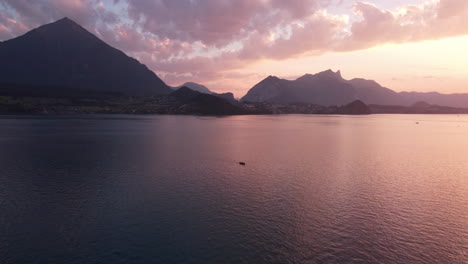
(169, 189)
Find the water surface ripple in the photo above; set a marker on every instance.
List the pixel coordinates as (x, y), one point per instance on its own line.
(169, 189)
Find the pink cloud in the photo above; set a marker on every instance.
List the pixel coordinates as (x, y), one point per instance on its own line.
(215, 22)
(88, 13)
(451, 8)
(207, 40)
(4, 32)
(311, 31)
(10, 27)
(432, 20)
(314, 35)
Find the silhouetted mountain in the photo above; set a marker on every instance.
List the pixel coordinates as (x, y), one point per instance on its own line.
(65, 54)
(268, 90)
(325, 88)
(371, 91)
(188, 101)
(227, 96)
(184, 94)
(329, 88)
(421, 104)
(354, 108)
(195, 87)
(203, 89)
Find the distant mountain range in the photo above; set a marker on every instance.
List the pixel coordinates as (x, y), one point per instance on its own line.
(329, 88)
(65, 54)
(63, 68)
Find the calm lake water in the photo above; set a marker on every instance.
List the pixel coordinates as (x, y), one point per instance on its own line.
(169, 189)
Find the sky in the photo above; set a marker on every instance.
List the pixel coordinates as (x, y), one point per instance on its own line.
(230, 45)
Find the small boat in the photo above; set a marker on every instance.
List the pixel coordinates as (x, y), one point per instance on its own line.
(242, 163)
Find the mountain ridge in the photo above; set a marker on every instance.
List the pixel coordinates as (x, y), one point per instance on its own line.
(63, 53)
(329, 88)
(203, 89)
(195, 87)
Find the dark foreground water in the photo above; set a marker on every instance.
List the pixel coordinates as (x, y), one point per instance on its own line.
(169, 189)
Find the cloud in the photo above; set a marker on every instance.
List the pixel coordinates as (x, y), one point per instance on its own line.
(215, 22)
(10, 27)
(278, 30)
(313, 35)
(208, 40)
(428, 21)
(4, 32)
(31, 13)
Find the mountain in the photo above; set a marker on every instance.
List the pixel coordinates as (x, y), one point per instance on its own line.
(354, 108)
(325, 88)
(188, 101)
(329, 88)
(195, 87)
(65, 54)
(371, 91)
(203, 89)
(227, 96)
(268, 90)
(453, 100)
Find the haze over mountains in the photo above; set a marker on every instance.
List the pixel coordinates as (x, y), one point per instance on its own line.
(329, 88)
(61, 58)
